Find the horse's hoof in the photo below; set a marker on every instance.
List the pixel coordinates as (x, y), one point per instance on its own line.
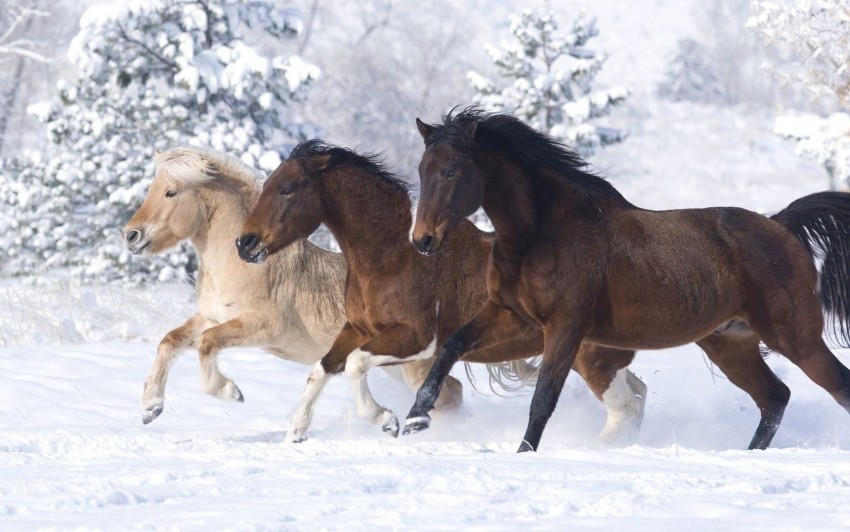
(297, 438)
(416, 424)
(231, 392)
(149, 413)
(525, 447)
(391, 425)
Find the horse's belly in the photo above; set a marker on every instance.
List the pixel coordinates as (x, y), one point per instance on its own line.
(655, 329)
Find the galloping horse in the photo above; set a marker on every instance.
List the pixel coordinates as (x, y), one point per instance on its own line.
(399, 304)
(292, 305)
(575, 259)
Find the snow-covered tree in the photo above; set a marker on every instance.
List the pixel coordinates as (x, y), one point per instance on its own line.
(549, 81)
(826, 140)
(815, 36)
(690, 76)
(150, 74)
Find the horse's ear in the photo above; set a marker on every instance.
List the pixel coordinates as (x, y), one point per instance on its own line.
(321, 162)
(469, 129)
(424, 129)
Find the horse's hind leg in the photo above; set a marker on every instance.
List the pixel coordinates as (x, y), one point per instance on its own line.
(604, 369)
(153, 395)
(795, 330)
(738, 356)
(811, 354)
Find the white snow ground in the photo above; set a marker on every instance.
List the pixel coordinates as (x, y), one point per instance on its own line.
(74, 454)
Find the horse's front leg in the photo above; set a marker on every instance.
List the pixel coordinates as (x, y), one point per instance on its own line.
(332, 363)
(248, 329)
(399, 340)
(561, 341)
(153, 394)
(492, 325)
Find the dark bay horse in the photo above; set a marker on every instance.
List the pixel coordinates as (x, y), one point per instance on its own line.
(577, 260)
(400, 305)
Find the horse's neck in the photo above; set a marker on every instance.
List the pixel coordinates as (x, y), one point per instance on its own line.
(370, 219)
(521, 206)
(226, 212)
(509, 202)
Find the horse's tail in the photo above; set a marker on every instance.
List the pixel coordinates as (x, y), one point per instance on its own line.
(821, 221)
(508, 376)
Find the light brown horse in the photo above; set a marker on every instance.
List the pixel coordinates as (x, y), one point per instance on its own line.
(399, 304)
(577, 260)
(292, 305)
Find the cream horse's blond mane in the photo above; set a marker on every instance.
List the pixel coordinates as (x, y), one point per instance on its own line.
(198, 166)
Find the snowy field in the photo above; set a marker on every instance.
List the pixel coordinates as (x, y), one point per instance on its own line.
(75, 455)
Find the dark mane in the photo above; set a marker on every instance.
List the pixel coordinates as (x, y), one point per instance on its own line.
(372, 163)
(532, 150)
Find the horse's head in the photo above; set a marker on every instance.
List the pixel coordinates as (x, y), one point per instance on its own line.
(289, 208)
(452, 186)
(172, 210)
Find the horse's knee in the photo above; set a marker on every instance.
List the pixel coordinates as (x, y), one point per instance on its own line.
(207, 344)
(777, 398)
(356, 365)
(173, 340)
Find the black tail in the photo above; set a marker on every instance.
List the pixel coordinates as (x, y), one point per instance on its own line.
(822, 223)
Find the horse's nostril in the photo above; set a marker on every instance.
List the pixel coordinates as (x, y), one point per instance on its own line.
(247, 241)
(133, 236)
(425, 244)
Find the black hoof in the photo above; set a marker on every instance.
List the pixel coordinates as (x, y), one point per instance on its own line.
(416, 424)
(525, 447)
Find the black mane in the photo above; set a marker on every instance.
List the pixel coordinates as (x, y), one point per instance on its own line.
(532, 150)
(372, 163)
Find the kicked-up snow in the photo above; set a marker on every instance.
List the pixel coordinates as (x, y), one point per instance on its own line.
(75, 455)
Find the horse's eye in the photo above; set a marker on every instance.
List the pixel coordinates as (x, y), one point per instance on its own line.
(170, 193)
(287, 191)
(450, 174)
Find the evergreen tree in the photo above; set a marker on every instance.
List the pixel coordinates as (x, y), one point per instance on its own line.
(690, 77)
(150, 74)
(550, 78)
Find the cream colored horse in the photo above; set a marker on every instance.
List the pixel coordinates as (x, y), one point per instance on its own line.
(291, 305)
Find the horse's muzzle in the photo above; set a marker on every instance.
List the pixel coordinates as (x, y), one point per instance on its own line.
(427, 245)
(135, 241)
(250, 248)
